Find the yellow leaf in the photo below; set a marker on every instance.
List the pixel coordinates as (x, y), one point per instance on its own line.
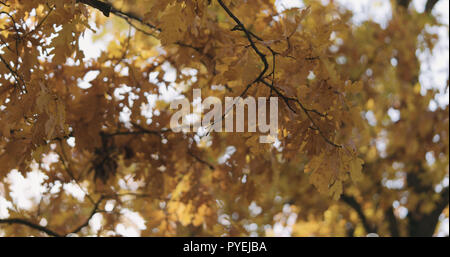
(356, 169)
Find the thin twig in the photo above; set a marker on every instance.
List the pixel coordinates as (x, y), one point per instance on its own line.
(86, 223)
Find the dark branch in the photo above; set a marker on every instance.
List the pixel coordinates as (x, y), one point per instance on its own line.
(430, 5)
(86, 223)
(139, 131)
(424, 225)
(107, 8)
(31, 225)
(392, 221)
(351, 201)
(305, 110)
(250, 35)
(210, 166)
(249, 38)
(443, 202)
(18, 79)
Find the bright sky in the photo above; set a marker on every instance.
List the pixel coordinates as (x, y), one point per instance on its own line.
(27, 191)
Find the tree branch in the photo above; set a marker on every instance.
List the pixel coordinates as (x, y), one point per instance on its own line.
(305, 110)
(444, 200)
(392, 221)
(86, 223)
(107, 8)
(140, 131)
(351, 201)
(241, 26)
(430, 5)
(250, 35)
(424, 225)
(209, 165)
(31, 225)
(18, 79)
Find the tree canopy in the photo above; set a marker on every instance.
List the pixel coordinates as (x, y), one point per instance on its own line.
(341, 165)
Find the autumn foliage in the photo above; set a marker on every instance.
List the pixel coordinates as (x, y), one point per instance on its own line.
(329, 174)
